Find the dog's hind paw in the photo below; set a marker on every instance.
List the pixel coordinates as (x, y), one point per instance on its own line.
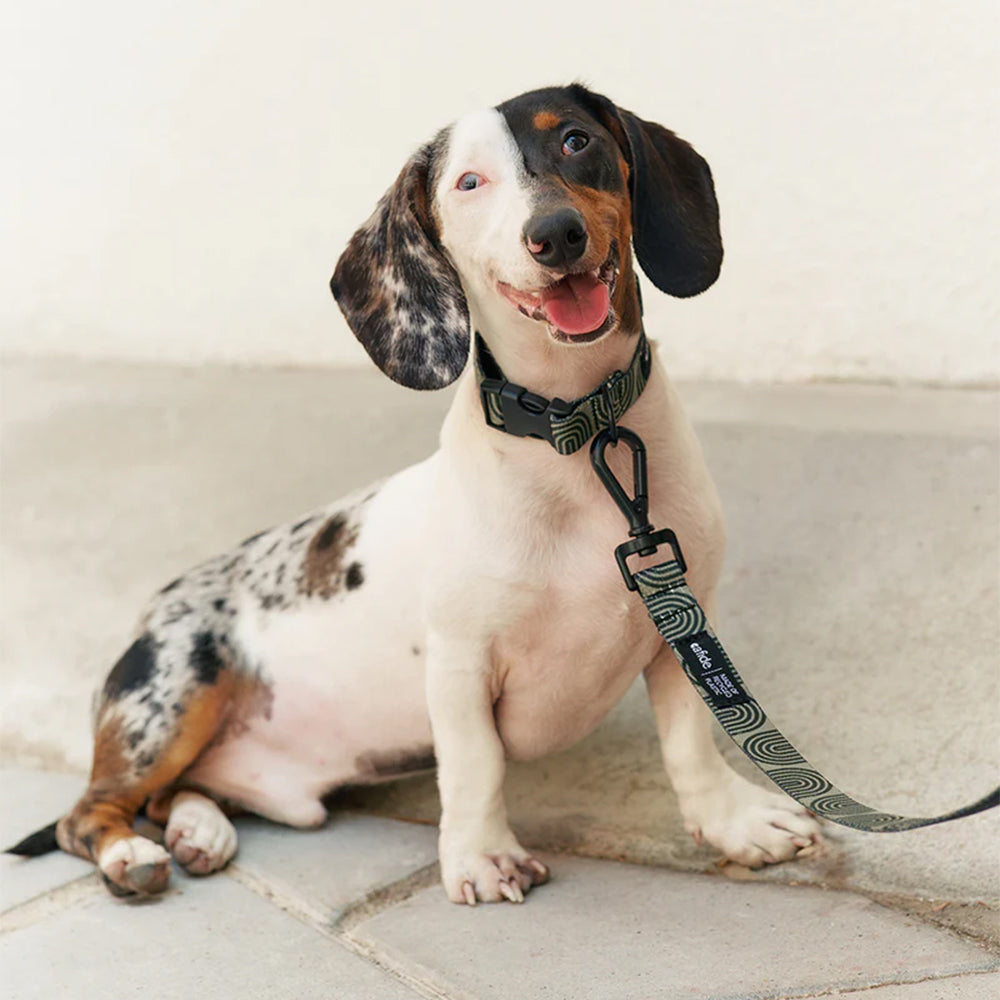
(134, 865)
(198, 834)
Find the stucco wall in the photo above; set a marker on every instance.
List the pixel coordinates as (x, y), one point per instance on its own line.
(178, 178)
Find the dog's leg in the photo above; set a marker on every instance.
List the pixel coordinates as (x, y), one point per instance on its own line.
(749, 824)
(480, 857)
(128, 771)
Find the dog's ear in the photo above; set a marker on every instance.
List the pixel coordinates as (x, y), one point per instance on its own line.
(675, 216)
(397, 289)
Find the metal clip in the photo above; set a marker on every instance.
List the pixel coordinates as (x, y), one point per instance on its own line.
(645, 538)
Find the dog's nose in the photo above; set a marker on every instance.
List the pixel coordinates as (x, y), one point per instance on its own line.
(558, 238)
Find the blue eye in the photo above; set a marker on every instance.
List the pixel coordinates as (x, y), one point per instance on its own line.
(469, 182)
(575, 141)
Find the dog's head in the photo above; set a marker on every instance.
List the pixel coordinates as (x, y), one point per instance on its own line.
(527, 212)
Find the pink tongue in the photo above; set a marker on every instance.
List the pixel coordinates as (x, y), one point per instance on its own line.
(578, 304)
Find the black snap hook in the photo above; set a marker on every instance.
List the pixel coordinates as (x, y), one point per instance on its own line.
(645, 538)
(636, 507)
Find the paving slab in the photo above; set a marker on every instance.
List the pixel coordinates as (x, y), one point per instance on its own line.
(973, 987)
(324, 871)
(30, 800)
(606, 930)
(206, 938)
(860, 597)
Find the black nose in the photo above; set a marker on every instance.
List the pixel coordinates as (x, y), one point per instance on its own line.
(557, 238)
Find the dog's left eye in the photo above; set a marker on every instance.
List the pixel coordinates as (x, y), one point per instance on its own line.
(469, 182)
(574, 142)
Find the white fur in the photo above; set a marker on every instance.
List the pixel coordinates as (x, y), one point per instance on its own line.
(482, 228)
(198, 833)
(492, 610)
(135, 864)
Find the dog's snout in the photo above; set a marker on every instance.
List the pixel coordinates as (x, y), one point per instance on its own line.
(556, 238)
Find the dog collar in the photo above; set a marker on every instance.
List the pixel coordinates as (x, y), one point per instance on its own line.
(566, 426)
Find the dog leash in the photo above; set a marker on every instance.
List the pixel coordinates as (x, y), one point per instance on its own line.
(669, 601)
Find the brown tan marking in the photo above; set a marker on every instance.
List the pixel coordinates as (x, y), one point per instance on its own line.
(324, 558)
(626, 297)
(249, 698)
(545, 120)
(608, 215)
(624, 168)
(107, 810)
(375, 767)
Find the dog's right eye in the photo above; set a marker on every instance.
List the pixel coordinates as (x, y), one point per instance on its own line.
(469, 182)
(575, 141)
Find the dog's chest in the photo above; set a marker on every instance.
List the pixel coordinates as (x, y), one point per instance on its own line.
(569, 657)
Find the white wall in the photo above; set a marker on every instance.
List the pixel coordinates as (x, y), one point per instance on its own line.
(178, 178)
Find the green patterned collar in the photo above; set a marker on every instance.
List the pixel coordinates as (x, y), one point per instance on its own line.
(566, 426)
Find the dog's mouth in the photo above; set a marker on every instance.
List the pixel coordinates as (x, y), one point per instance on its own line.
(577, 307)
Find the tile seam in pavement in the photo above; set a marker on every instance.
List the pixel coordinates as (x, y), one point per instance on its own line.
(434, 983)
(279, 896)
(378, 901)
(51, 902)
(421, 980)
(438, 984)
(337, 930)
(916, 908)
(841, 990)
(386, 896)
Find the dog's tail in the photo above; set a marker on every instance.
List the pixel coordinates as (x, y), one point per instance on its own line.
(35, 844)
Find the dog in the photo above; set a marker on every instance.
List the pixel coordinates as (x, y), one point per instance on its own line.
(468, 609)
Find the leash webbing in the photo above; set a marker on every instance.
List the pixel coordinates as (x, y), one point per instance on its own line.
(681, 622)
(684, 627)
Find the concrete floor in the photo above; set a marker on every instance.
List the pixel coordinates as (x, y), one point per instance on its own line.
(354, 911)
(860, 598)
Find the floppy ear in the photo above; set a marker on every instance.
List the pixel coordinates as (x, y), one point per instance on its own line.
(399, 292)
(675, 217)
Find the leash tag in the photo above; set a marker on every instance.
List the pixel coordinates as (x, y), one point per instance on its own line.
(711, 667)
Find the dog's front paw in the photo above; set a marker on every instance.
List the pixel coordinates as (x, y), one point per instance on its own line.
(749, 824)
(470, 875)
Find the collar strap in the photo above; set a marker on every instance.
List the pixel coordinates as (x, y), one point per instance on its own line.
(566, 426)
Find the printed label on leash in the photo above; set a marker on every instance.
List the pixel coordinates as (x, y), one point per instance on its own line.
(712, 669)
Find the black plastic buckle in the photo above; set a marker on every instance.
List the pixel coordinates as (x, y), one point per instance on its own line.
(525, 414)
(645, 538)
